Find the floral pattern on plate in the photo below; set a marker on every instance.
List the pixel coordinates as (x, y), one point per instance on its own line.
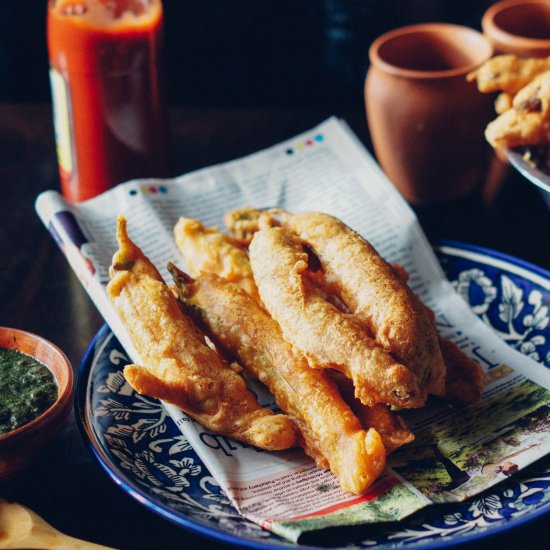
(511, 297)
(137, 443)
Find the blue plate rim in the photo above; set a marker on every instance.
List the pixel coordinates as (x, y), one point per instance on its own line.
(196, 526)
(508, 258)
(127, 486)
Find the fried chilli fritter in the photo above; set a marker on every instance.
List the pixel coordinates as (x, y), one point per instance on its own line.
(503, 102)
(178, 365)
(508, 73)
(324, 334)
(243, 222)
(388, 424)
(375, 293)
(528, 121)
(464, 382)
(331, 433)
(463, 376)
(208, 249)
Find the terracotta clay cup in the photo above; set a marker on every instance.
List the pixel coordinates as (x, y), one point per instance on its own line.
(22, 446)
(520, 27)
(426, 121)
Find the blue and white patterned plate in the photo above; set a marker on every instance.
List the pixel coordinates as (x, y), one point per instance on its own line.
(140, 447)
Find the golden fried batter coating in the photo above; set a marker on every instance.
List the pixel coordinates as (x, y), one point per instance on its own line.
(528, 121)
(503, 102)
(463, 376)
(518, 128)
(324, 334)
(243, 222)
(178, 365)
(332, 434)
(508, 73)
(375, 294)
(464, 381)
(535, 96)
(208, 249)
(388, 424)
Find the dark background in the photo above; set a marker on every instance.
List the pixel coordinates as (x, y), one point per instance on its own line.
(243, 53)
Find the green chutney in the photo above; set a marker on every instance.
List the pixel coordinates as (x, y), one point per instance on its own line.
(27, 389)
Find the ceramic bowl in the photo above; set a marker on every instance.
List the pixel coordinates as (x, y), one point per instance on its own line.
(425, 120)
(520, 27)
(20, 447)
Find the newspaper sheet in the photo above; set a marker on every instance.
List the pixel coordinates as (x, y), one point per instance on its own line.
(458, 451)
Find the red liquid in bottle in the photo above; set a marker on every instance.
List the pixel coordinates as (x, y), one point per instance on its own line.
(106, 87)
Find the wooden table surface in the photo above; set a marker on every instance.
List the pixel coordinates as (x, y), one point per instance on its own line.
(39, 293)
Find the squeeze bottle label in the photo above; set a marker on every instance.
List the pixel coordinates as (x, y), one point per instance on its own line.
(61, 121)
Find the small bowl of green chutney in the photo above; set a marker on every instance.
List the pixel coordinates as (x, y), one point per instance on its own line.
(36, 388)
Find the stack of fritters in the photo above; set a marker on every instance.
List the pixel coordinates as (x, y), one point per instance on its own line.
(310, 309)
(523, 104)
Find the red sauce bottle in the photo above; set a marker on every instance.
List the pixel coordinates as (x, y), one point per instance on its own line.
(108, 104)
